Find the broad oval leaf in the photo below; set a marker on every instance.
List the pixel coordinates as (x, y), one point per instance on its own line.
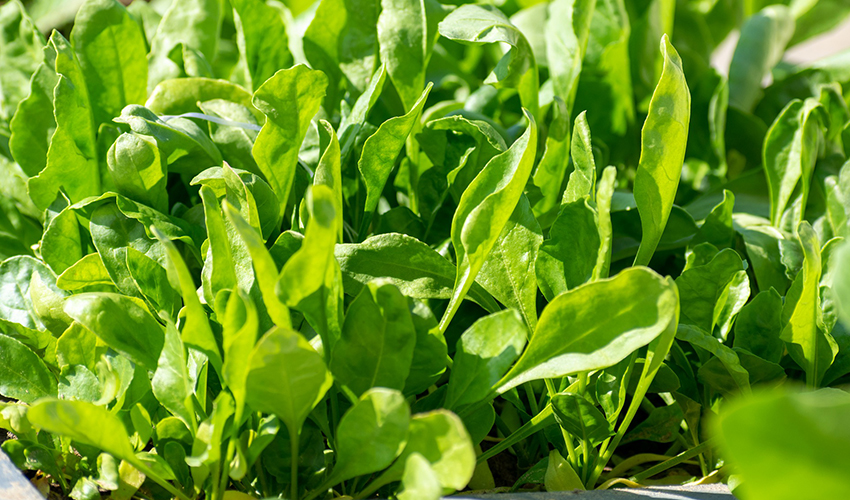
(484, 354)
(123, 323)
(378, 337)
(596, 325)
(371, 434)
(23, 375)
(286, 377)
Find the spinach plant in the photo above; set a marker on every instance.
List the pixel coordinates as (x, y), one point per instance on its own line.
(397, 249)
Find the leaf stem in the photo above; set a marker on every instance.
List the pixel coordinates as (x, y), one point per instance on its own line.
(681, 457)
(294, 438)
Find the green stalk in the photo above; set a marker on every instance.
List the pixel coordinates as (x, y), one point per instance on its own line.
(681, 457)
(294, 437)
(148, 472)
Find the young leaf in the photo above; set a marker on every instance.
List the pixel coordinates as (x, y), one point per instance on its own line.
(663, 139)
(479, 24)
(583, 177)
(262, 40)
(138, 170)
(484, 209)
(581, 418)
(417, 270)
(607, 319)
(407, 30)
(441, 439)
(484, 354)
(508, 270)
(309, 279)
(170, 383)
(371, 434)
(197, 332)
(790, 152)
(328, 171)
(378, 337)
(419, 481)
(194, 24)
(381, 149)
(123, 323)
(761, 45)
(568, 258)
(289, 100)
(286, 377)
(72, 159)
(23, 375)
(265, 268)
(809, 344)
(112, 52)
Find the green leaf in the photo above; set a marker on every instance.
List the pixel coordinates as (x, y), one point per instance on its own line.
(33, 124)
(182, 95)
(790, 152)
(309, 281)
(72, 160)
(568, 258)
(85, 423)
(187, 148)
(809, 344)
(88, 271)
(234, 142)
(759, 324)
(485, 352)
(23, 375)
(712, 294)
(112, 52)
(240, 327)
(581, 418)
(342, 41)
(20, 56)
(262, 41)
(700, 338)
(441, 439)
(407, 30)
(663, 139)
(583, 177)
(761, 45)
(508, 270)
(378, 337)
(289, 100)
(412, 266)
(371, 434)
(352, 123)
(779, 464)
(328, 171)
(265, 268)
(197, 332)
(196, 24)
(382, 148)
(419, 481)
(596, 325)
(286, 377)
(479, 24)
(484, 209)
(171, 384)
(123, 323)
(567, 31)
(16, 301)
(138, 170)
(560, 475)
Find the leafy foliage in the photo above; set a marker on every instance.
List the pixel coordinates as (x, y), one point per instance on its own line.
(262, 248)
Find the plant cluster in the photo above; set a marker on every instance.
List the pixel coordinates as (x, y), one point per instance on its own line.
(400, 248)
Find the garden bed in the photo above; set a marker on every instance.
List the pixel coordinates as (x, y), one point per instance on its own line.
(404, 248)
